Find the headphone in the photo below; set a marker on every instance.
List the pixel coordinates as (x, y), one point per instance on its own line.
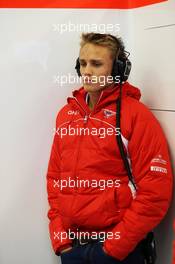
(121, 66)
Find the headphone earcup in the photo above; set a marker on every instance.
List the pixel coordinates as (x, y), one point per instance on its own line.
(116, 71)
(127, 70)
(121, 70)
(77, 67)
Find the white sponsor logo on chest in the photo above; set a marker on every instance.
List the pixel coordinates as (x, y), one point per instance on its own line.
(72, 112)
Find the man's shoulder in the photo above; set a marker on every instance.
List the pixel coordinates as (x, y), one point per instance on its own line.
(63, 114)
(137, 109)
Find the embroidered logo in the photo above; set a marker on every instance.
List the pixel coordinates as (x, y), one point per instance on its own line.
(72, 112)
(158, 159)
(108, 113)
(159, 169)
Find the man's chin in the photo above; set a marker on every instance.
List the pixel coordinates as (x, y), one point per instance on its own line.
(89, 87)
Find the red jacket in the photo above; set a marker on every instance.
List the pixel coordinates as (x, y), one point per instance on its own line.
(173, 259)
(96, 156)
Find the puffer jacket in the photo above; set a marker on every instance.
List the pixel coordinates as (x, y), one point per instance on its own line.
(95, 155)
(173, 256)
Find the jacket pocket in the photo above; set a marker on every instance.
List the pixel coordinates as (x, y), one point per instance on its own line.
(118, 199)
(111, 200)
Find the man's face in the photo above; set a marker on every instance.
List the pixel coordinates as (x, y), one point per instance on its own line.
(95, 67)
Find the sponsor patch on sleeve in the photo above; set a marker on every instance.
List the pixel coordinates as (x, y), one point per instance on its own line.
(158, 169)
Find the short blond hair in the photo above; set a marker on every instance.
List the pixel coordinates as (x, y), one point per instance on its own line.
(115, 44)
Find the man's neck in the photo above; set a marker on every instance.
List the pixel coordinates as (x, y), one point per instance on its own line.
(93, 99)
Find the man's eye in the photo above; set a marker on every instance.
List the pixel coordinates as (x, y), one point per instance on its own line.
(82, 64)
(97, 64)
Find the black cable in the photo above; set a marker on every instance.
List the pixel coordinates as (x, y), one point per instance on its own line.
(119, 138)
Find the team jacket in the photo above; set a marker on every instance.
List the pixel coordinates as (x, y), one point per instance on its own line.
(173, 250)
(93, 155)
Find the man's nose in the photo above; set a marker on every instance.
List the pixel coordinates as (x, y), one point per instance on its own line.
(87, 69)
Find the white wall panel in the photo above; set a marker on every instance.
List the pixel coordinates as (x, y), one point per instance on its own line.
(153, 33)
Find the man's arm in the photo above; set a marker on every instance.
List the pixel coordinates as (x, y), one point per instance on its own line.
(56, 226)
(152, 172)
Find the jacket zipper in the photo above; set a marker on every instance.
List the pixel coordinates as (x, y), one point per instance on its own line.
(80, 141)
(76, 164)
(96, 104)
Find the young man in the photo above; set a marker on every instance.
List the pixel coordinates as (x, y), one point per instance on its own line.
(96, 215)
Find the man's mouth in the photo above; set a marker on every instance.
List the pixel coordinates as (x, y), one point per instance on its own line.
(87, 81)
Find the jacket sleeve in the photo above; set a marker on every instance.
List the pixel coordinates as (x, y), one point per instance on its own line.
(152, 173)
(56, 226)
(173, 259)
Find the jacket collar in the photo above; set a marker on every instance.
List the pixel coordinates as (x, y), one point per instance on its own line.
(107, 96)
